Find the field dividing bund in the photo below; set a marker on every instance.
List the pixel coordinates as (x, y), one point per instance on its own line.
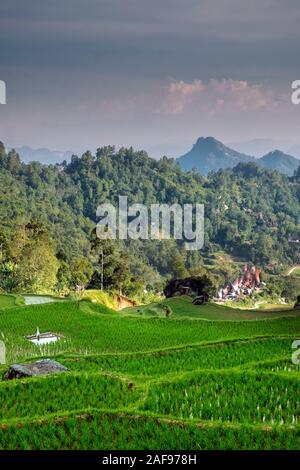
(146, 382)
(96, 429)
(213, 356)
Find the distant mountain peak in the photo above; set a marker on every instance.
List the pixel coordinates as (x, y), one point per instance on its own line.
(275, 152)
(280, 161)
(207, 139)
(209, 154)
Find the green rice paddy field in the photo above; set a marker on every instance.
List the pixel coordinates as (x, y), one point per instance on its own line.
(207, 377)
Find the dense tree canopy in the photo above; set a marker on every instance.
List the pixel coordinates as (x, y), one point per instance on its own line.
(250, 212)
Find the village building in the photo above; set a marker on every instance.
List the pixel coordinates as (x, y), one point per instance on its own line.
(245, 284)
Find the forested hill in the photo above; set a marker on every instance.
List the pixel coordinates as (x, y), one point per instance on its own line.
(251, 212)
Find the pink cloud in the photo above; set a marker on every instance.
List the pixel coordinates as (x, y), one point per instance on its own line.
(225, 95)
(181, 93)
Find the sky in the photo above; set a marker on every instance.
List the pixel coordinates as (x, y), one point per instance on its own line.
(153, 74)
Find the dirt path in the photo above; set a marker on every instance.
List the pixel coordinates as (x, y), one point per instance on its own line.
(292, 270)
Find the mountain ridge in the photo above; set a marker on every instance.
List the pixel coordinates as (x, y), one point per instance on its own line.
(209, 154)
(213, 155)
(43, 154)
(280, 161)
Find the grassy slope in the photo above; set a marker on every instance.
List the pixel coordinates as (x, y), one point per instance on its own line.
(183, 307)
(101, 298)
(93, 406)
(7, 301)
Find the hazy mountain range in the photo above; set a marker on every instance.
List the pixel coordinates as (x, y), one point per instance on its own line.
(209, 154)
(260, 147)
(43, 155)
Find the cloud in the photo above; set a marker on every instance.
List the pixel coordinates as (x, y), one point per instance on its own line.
(192, 99)
(80, 69)
(218, 96)
(181, 94)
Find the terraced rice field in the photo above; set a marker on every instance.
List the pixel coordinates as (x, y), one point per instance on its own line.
(142, 381)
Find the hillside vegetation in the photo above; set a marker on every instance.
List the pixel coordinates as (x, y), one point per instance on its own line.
(250, 212)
